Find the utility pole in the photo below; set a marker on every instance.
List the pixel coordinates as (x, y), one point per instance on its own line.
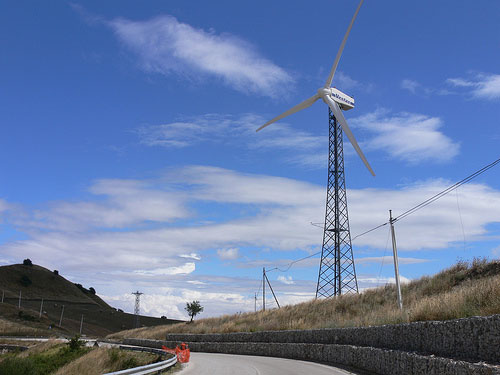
(255, 308)
(3, 295)
(81, 325)
(263, 289)
(41, 307)
(137, 308)
(62, 312)
(396, 261)
(19, 305)
(272, 291)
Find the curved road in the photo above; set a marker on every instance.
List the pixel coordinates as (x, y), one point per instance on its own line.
(230, 364)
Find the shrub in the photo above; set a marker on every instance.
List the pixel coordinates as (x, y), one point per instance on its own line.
(27, 317)
(56, 272)
(92, 290)
(75, 343)
(27, 262)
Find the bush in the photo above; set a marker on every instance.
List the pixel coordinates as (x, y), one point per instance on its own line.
(27, 262)
(25, 281)
(56, 272)
(27, 317)
(40, 363)
(92, 290)
(75, 343)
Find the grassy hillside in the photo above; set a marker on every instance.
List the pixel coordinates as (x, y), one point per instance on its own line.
(58, 358)
(34, 283)
(466, 289)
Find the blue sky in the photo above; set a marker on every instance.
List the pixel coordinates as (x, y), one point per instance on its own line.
(130, 159)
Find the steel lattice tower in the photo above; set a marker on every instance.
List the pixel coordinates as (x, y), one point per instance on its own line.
(137, 308)
(337, 274)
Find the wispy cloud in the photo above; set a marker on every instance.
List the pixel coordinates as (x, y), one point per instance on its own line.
(410, 137)
(346, 82)
(389, 259)
(3, 207)
(164, 45)
(173, 251)
(127, 203)
(308, 149)
(286, 280)
(480, 86)
(410, 85)
(228, 254)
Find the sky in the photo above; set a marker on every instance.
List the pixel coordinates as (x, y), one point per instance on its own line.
(129, 157)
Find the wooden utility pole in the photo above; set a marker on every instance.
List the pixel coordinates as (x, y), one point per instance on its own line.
(263, 289)
(396, 261)
(62, 312)
(81, 325)
(41, 307)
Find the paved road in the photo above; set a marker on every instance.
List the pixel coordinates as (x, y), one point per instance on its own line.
(228, 364)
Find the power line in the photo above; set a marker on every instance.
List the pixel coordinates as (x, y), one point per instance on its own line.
(404, 214)
(435, 197)
(370, 230)
(292, 263)
(447, 190)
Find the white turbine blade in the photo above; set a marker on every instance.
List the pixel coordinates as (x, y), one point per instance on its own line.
(298, 107)
(337, 112)
(339, 53)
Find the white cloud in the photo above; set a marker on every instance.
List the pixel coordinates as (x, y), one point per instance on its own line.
(286, 279)
(410, 85)
(388, 259)
(307, 149)
(193, 256)
(371, 282)
(413, 138)
(481, 86)
(438, 225)
(3, 205)
(146, 257)
(228, 254)
(184, 269)
(127, 203)
(496, 251)
(165, 45)
(410, 137)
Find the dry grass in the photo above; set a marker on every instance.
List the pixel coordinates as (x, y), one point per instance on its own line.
(41, 347)
(103, 360)
(8, 328)
(464, 290)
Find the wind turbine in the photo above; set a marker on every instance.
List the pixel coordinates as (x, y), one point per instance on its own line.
(337, 273)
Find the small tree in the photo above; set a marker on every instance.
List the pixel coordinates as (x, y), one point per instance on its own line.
(27, 262)
(193, 309)
(92, 290)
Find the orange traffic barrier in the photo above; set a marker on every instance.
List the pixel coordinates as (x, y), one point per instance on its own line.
(182, 353)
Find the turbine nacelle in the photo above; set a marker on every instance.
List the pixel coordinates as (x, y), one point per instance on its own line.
(344, 101)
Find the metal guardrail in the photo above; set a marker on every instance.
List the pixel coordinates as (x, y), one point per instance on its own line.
(146, 369)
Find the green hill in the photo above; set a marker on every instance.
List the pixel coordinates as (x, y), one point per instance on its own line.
(36, 283)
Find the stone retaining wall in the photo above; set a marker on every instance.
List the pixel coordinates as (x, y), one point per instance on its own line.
(471, 339)
(374, 360)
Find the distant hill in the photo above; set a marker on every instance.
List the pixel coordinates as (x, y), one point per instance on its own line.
(36, 283)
